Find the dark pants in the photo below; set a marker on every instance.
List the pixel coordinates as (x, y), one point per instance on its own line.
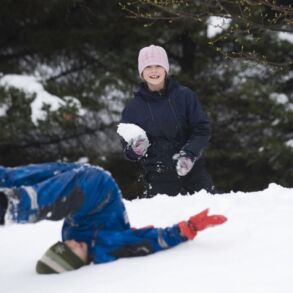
(168, 182)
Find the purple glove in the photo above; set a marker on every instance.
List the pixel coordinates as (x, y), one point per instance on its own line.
(140, 145)
(184, 165)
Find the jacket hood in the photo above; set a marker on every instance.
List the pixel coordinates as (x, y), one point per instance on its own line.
(148, 95)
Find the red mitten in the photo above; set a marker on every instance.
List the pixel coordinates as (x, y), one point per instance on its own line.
(200, 222)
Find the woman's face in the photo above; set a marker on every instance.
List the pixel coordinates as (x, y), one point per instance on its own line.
(154, 76)
(79, 248)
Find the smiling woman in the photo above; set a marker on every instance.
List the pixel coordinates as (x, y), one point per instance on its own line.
(177, 130)
(154, 76)
(153, 67)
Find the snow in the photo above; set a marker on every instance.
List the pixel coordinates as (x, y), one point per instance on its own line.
(289, 143)
(252, 252)
(216, 25)
(83, 160)
(31, 85)
(282, 99)
(3, 110)
(130, 132)
(113, 100)
(279, 98)
(286, 36)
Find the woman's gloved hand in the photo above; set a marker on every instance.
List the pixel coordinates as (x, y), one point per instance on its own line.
(140, 145)
(184, 163)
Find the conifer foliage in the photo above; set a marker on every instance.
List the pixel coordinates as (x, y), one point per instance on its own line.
(87, 49)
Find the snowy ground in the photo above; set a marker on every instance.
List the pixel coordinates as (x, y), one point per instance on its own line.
(251, 253)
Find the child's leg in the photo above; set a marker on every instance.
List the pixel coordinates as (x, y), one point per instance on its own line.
(53, 198)
(48, 198)
(79, 194)
(103, 209)
(32, 174)
(111, 245)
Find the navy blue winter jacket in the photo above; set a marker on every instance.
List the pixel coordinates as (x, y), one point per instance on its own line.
(173, 121)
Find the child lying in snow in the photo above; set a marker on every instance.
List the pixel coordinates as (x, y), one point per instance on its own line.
(96, 227)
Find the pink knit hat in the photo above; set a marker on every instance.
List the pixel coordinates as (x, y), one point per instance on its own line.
(152, 55)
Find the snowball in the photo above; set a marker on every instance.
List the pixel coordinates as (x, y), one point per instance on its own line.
(130, 132)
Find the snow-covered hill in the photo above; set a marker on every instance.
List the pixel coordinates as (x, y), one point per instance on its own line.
(251, 253)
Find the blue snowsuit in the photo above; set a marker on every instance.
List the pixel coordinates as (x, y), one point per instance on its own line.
(174, 121)
(90, 202)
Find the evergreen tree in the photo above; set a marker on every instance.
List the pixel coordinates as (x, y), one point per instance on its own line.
(88, 49)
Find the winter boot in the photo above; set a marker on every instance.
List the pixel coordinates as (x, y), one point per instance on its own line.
(3, 207)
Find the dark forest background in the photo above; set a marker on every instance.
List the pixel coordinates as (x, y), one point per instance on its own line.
(88, 49)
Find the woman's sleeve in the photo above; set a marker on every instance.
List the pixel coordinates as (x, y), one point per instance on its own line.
(199, 127)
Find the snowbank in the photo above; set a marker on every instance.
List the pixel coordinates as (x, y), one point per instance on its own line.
(252, 252)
